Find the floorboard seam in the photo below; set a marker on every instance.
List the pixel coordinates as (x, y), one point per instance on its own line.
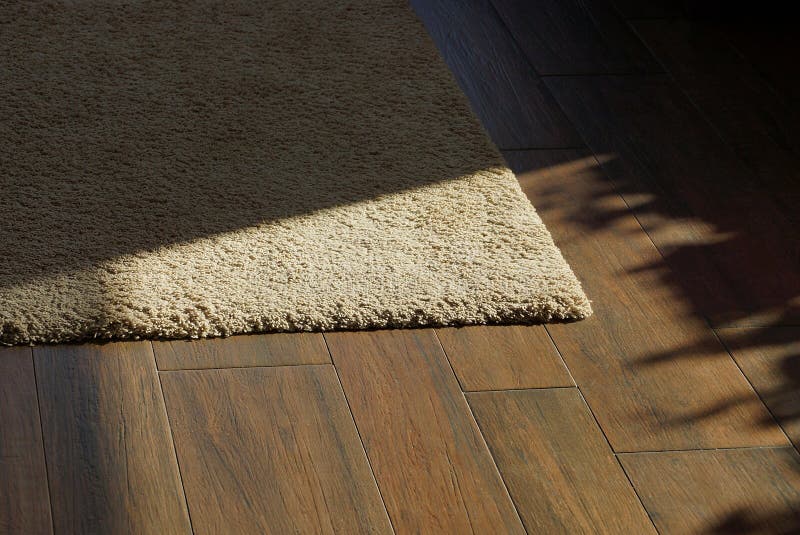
(776, 93)
(171, 436)
(480, 433)
(522, 53)
(707, 321)
(619, 463)
(689, 450)
(358, 432)
(706, 118)
(520, 389)
(597, 423)
(243, 367)
(44, 450)
(754, 389)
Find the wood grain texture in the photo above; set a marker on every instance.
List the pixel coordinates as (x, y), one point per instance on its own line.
(108, 446)
(653, 373)
(505, 93)
(271, 450)
(770, 46)
(727, 491)
(24, 498)
(730, 248)
(727, 90)
(770, 359)
(281, 349)
(559, 469)
(649, 9)
(503, 357)
(575, 37)
(433, 468)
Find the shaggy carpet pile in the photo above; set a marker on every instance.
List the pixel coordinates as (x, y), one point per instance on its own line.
(187, 169)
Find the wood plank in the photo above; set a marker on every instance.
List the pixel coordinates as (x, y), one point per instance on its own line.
(503, 357)
(505, 93)
(731, 249)
(761, 128)
(24, 497)
(280, 349)
(271, 450)
(108, 446)
(653, 373)
(432, 465)
(649, 9)
(770, 46)
(728, 491)
(559, 469)
(575, 37)
(770, 359)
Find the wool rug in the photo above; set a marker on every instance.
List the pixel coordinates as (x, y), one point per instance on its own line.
(189, 169)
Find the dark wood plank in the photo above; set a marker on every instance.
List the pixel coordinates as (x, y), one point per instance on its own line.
(761, 128)
(575, 37)
(281, 349)
(728, 491)
(771, 47)
(271, 450)
(649, 9)
(503, 357)
(24, 498)
(770, 359)
(432, 465)
(731, 249)
(653, 373)
(559, 469)
(505, 93)
(108, 446)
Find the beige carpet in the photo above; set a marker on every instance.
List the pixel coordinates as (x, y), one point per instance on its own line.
(183, 169)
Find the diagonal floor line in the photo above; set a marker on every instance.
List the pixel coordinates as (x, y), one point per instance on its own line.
(597, 423)
(171, 434)
(358, 432)
(480, 433)
(44, 450)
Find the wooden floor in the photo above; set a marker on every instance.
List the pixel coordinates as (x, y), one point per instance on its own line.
(664, 156)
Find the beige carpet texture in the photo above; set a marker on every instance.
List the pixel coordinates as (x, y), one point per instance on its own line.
(191, 169)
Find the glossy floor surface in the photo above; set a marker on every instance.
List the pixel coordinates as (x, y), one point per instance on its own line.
(663, 154)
